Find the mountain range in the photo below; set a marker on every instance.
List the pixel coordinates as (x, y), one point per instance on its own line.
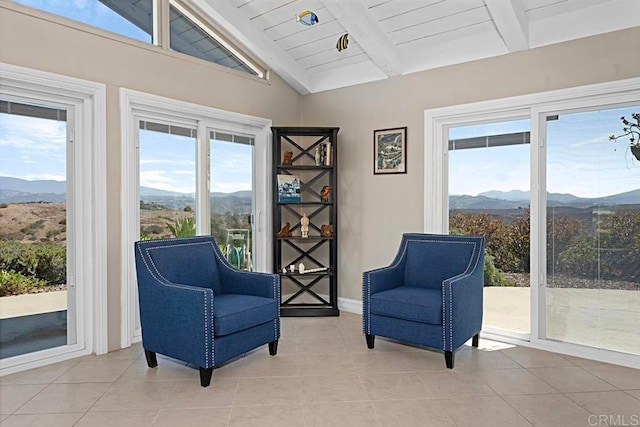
(517, 199)
(15, 190)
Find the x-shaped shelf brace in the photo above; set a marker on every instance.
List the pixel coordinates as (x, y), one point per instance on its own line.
(306, 254)
(305, 151)
(305, 288)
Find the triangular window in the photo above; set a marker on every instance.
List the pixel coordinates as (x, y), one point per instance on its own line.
(191, 36)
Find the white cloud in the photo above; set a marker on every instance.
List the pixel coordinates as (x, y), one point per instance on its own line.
(160, 180)
(230, 187)
(48, 176)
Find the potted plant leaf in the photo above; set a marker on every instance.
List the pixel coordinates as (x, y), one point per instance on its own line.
(632, 130)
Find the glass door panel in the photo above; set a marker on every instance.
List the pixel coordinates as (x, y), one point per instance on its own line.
(37, 309)
(489, 195)
(593, 231)
(167, 156)
(232, 196)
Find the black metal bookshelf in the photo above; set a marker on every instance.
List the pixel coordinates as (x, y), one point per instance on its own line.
(313, 160)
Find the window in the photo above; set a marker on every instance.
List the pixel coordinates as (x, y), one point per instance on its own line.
(128, 18)
(198, 40)
(584, 211)
(196, 169)
(190, 33)
(52, 168)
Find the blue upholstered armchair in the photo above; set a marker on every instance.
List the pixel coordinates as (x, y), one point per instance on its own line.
(195, 307)
(431, 295)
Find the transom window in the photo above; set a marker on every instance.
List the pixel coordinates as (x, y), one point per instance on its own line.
(190, 32)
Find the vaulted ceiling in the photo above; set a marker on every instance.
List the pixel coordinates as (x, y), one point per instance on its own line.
(388, 38)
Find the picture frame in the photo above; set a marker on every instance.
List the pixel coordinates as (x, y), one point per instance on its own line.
(289, 189)
(390, 151)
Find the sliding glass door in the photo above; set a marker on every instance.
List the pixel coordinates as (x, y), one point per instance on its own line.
(558, 200)
(489, 196)
(232, 196)
(592, 230)
(37, 290)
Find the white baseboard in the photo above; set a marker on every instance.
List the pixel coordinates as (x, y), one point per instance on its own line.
(350, 305)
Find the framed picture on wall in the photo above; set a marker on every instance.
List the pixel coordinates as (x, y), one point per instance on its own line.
(390, 151)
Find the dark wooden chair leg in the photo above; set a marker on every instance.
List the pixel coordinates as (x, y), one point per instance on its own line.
(371, 340)
(475, 340)
(273, 347)
(205, 376)
(448, 358)
(152, 361)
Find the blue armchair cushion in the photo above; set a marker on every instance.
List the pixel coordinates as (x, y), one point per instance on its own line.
(429, 262)
(235, 312)
(409, 303)
(176, 263)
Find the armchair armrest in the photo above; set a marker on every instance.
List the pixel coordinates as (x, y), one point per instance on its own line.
(463, 303)
(234, 281)
(177, 320)
(382, 279)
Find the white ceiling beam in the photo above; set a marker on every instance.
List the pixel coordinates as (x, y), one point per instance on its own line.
(239, 27)
(354, 16)
(511, 22)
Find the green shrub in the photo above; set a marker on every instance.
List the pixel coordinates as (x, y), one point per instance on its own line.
(43, 261)
(12, 283)
(154, 229)
(184, 227)
(493, 276)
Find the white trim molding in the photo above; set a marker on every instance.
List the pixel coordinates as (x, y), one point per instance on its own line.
(89, 261)
(135, 104)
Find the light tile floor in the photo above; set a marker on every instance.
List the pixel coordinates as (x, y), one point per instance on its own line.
(324, 375)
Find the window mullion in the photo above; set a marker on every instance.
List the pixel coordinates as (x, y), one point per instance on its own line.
(203, 204)
(161, 27)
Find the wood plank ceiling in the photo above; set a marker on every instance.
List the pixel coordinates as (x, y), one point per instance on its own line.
(388, 38)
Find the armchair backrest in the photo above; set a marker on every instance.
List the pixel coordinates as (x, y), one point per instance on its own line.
(432, 258)
(188, 261)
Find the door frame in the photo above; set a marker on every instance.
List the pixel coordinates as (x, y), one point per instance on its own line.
(87, 179)
(436, 125)
(134, 104)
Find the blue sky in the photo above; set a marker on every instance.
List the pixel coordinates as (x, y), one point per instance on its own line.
(167, 162)
(581, 159)
(90, 12)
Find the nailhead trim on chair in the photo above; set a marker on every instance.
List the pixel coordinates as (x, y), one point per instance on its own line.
(398, 258)
(451, 282)
(161, 279)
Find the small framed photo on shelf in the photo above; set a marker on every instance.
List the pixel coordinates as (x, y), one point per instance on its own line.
(288, 189)
(390, 151)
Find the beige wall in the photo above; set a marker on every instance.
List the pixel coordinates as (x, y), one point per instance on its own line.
(376, 209)
(44, 45)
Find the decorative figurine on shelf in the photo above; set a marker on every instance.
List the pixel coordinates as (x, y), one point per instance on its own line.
(284, 231)
(301, 268)
(287, 158)
(324, 193)
(326, 230)
(304, 225)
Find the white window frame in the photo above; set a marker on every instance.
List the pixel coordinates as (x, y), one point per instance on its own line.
(135, 105)
(535, 106)
(87, 185)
